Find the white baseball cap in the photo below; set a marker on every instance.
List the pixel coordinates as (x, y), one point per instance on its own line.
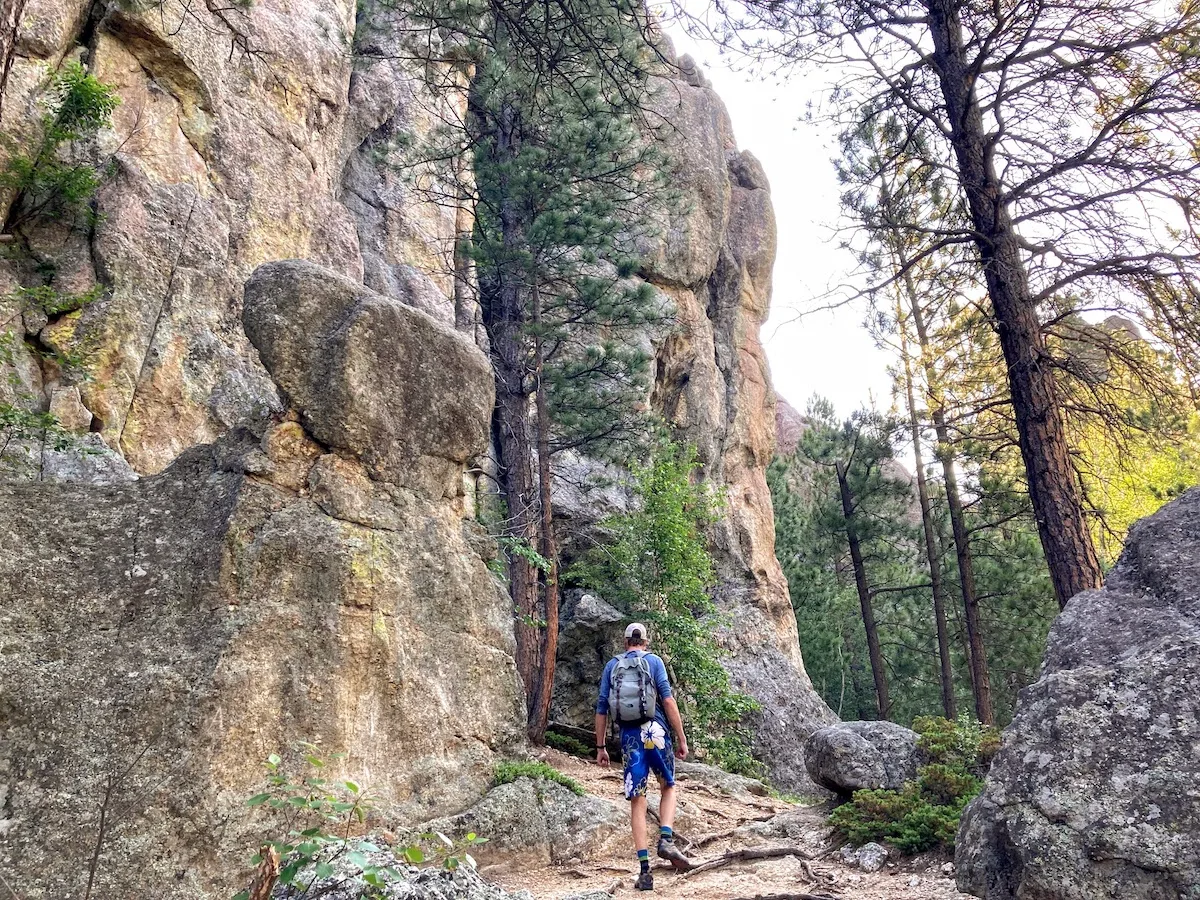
(637, 628)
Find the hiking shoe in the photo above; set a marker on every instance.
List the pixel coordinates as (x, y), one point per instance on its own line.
(645, 882)
(672, 854)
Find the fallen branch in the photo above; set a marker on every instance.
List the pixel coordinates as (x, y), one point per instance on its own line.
(750, 854)
(788, 897)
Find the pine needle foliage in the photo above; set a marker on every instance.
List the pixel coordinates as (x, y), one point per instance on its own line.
(925, 813)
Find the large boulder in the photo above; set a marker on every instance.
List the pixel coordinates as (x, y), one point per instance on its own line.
(162, 636)
(853, 756)
(1096, 790)
(591, 632)
(533, 822)
(361, 369)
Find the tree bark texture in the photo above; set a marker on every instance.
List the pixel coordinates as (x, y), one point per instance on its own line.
(1053, 485)
(878, 672)
(540, 702)
(10, 20)
(503, 318)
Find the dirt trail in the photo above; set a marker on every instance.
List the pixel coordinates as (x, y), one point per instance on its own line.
(719, 820)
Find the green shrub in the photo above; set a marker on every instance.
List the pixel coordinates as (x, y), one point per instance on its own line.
(509, 771)
(925, 813)
(568, 744)
(49, 183)
(317, 823)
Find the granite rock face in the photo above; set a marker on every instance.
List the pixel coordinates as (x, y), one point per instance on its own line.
(163, 636)
(1095, 793)
(853, 756)
(271, 498)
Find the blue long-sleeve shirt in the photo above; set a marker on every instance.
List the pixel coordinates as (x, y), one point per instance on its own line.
(658, 671)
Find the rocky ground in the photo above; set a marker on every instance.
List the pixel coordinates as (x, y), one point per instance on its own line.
(718, 814)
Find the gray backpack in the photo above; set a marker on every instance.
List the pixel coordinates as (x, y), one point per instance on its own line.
(631, 689)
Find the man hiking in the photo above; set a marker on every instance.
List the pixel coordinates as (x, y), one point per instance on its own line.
(635, 691)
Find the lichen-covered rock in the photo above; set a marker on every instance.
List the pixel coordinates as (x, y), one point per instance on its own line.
(206, 617)
(429, 883)
(852, 756)
(163, 636)
(362, 369)
(534, 822)
(1095, 793)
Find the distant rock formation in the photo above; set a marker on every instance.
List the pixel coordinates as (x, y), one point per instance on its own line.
(789, 427)
(1096, 790)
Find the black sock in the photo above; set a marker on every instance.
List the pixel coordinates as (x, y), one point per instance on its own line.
(644, 860)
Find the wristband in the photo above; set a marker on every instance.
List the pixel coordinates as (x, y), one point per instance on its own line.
(602, 746)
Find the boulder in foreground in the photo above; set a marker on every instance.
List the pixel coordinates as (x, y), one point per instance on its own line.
(1095, 793)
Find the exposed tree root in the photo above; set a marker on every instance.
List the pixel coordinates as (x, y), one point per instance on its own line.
(750, 854)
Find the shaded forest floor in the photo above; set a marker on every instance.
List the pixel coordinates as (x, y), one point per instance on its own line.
(717, 815)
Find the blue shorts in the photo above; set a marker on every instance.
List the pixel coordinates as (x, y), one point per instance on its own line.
(647, 748)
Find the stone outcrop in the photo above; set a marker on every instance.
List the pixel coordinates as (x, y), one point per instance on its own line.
(1094, 793)
(534, 822)
(590, 635)
(853, 756)
(163, 636)
(713, 261)
(372, 376)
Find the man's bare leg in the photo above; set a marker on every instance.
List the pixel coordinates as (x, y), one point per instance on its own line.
(666, 807)
(637, 811)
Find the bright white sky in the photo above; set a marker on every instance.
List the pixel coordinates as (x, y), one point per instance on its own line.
(828, 352)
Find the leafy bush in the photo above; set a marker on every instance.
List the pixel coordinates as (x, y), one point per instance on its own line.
(925, 813)
(318, 835)
(509, 771)
(50, 184)
(658, 568)
(568, 744)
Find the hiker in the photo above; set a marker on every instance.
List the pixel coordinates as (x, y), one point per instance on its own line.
(635, 689)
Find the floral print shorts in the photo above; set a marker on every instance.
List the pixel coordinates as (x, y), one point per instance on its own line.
(647, 748)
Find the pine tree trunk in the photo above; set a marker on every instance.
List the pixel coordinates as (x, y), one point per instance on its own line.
(945, 673)
(504, 318)
(878, 673)
(981, 689)
(1053, 484)
(540, 701)
(10, 20)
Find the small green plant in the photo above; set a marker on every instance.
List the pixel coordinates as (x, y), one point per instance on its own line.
(73, 363)
(509, 771)
(320, 821)
(925, 813)
(49, 183)
(569, 744)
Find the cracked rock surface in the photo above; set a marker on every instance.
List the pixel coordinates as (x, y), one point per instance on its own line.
(1095, 793)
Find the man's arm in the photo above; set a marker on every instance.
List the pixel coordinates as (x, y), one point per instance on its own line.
(671, 708)
(602, 717)
(601, 738)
